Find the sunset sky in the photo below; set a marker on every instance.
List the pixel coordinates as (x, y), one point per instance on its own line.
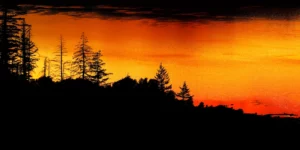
(252, 63)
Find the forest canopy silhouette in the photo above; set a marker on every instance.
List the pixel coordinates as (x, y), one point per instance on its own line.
(80, 86)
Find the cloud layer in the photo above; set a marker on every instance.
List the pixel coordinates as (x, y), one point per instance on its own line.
(182, 10)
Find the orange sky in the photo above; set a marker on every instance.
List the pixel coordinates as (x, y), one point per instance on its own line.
(239, 62)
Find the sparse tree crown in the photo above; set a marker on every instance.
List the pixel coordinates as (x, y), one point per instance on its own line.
(60, 61)
(163, 79)
(97, 73)
(184, 93)
(81, 58)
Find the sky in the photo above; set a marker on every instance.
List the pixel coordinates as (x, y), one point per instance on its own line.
(252, 62)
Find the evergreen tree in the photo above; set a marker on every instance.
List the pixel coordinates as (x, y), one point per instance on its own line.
(96, 72)
(163, 79)
(184, 93)
(81, 58)
(31, 58)
(9, 39)
(28, 52)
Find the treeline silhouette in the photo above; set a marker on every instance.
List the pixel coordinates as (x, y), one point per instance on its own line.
(85, 91)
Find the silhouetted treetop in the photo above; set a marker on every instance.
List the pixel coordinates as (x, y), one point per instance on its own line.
(61, 63)
(163, 79)
(97, 73)
(184, 93)
(81, 58)
(85, 94)
(126, 83)
(17, 50)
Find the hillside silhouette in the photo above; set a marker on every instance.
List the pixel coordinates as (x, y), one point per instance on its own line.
(80, 90)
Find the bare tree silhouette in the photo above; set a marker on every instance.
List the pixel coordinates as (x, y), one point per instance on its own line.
(60, 54)
(50, 68)
(45, 67)
(67, 66)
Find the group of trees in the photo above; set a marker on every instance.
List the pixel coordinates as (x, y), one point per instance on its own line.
(83, 92)
(17, 51)
(86, 63)
(18, 55)
(163, 79)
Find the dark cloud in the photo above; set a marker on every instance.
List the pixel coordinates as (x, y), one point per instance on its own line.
(167, 10)
(257, 102)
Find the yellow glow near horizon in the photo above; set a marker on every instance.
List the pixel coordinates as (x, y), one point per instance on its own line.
(230, 62)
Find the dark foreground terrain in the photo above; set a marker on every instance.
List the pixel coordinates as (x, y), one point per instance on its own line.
(126, 95)
(128, 107)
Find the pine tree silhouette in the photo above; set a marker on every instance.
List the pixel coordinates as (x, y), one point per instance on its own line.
(97, 73)
(9, 39)
(29, 51)
(184, 93)
(81, 57)
(17, 51)
(163, 79)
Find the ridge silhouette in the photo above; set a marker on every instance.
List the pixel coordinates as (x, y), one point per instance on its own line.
(85, 95)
